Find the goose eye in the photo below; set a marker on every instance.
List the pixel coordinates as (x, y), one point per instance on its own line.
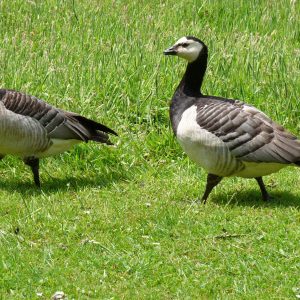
(184, 45)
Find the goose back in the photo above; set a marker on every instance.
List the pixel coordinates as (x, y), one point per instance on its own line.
(248, 133)
(41, 126)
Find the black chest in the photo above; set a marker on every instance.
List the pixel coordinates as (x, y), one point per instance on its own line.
(179, 104)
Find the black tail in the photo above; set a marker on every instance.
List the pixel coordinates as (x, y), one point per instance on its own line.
(92, 130)
(94, 125)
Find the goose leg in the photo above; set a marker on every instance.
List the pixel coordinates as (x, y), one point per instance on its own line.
(33, 163)
(212, 181)
(264, 193)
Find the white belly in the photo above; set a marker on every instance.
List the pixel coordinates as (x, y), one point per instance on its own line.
(58, 146)
(253, 169)
(203, 147)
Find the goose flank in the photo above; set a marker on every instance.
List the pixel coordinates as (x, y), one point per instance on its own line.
(32, 129)
(224, 136)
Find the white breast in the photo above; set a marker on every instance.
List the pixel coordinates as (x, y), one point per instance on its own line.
(205, 148)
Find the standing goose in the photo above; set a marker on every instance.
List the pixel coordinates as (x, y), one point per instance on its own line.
(226, 137)
(31, 129)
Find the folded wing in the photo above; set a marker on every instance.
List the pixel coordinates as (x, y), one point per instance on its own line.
(248, 133)
(59, 124)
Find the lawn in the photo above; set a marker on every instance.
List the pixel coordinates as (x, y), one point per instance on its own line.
(121, 222)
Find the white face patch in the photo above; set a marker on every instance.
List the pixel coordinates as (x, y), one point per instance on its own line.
(188, 49)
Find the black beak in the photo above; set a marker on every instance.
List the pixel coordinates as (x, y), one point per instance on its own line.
(170, 51)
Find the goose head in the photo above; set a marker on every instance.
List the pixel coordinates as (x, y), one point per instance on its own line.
(187, 47)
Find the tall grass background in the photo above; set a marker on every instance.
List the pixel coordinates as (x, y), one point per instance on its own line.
(121, 222)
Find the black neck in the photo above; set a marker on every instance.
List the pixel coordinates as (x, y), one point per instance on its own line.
(193, 77)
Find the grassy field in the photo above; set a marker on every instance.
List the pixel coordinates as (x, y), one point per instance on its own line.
(121, 222)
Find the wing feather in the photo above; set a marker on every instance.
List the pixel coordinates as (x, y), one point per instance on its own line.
(59, 124)
(248, 133)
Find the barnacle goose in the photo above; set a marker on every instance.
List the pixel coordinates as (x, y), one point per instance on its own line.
(31, 129)
(224, 136)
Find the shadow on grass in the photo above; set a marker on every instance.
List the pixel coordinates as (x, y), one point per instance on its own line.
(252, 198)
(67, 183)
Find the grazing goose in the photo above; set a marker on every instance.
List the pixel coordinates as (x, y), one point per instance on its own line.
(224, 136)
(31, 129)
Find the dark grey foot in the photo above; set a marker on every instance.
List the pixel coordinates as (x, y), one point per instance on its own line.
(268, 197)
(212, 181)
(33, 163)
(265, 195)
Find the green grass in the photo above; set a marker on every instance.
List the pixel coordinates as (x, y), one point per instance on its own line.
(121, 222)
